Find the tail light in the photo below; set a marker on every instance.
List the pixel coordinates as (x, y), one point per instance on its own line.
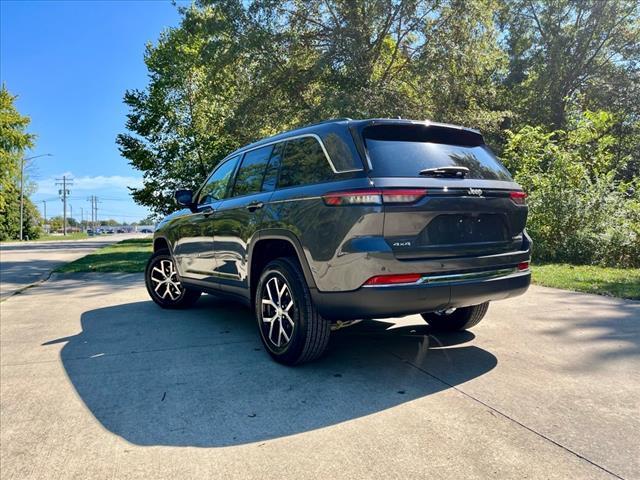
(518, 197)
(374, 196)
(522, 266)
(394, 279)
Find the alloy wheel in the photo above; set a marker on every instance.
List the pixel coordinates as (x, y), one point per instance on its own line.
(277, 312)
(164, 280)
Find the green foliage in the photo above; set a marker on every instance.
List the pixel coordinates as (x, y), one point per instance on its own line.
(14, 140)
(579, 210)
(234, 72)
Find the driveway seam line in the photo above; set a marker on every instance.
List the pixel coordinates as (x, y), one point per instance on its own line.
(26, 287)
(134, 352)
(504, 415)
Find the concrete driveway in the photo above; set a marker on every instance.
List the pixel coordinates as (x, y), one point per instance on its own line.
(98, 382)
(25, 263)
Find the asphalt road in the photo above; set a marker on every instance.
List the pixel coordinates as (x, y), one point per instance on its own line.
(97, 382)
(25, 263)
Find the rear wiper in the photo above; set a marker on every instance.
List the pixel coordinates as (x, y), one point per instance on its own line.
(453, 171)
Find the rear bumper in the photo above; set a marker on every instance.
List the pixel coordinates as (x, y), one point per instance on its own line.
(399, 300)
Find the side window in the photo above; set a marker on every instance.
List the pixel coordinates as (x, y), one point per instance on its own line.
(216, 185)
(304, 163)
(251, 173)
(343, 153)
(271, 175)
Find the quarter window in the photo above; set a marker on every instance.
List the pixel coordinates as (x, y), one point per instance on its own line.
(271, 175)
(304, 163)
(216, 186)
(252, 170)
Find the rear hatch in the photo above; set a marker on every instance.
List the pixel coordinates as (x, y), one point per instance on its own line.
(461, 200)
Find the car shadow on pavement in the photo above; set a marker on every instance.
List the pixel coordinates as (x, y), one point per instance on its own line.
(201, 378)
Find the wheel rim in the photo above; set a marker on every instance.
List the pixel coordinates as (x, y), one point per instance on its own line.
(277, 312)
(164, 281)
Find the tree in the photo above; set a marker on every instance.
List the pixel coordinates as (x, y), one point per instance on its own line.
(572, 52)
(234, 72)
(14, 141)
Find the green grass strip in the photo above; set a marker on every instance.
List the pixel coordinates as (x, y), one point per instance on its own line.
(614, 282)
(128, 256)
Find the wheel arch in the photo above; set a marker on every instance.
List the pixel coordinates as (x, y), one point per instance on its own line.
(161, 243)
(273, 244)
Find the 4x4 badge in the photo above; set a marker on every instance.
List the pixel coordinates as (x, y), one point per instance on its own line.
(475, 191)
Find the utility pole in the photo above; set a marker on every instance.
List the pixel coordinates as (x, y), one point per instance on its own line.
(65, 182)
(44, 202)
(71, 207)
(81, 219)
(94, 211)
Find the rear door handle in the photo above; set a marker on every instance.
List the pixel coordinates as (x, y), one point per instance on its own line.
(253, 206)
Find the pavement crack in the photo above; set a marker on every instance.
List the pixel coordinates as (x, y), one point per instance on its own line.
(506, 416)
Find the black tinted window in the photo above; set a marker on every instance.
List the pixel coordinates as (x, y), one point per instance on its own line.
(271, 175)
(304, 163)
(342, 151)
(251, 173)
(217, 183)
(404, 153)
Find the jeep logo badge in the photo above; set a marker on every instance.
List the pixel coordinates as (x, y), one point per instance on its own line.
(475, 191)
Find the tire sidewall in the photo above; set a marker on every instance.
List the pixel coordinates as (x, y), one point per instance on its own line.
(292, 351)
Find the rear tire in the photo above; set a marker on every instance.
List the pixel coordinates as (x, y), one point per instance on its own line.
(460, 319)
(163, 284)
(291, 329)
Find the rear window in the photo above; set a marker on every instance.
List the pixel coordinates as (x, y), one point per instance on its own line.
(304, 163)
(403, 151)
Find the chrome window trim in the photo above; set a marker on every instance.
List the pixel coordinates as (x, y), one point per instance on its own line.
(303, 135)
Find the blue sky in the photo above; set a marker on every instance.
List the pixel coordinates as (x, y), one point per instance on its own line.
(70, 63)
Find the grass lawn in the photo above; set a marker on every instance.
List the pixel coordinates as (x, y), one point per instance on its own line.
(50, 238)
(126, 256)
(616, 282)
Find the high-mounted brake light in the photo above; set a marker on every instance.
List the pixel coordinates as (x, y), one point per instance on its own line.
(375, 196)
(394, 279)
(518, 197)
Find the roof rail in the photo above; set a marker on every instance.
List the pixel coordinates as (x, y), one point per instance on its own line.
(331, 120)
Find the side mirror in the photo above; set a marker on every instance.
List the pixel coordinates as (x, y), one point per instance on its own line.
(184, 198)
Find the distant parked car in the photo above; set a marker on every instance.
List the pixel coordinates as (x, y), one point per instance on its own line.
(110, 232)
(348, 220)
(121, 230)
(146, 230)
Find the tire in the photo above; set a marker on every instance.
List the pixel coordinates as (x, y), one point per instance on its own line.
(460, 319)
(291, 329)
(163, 284)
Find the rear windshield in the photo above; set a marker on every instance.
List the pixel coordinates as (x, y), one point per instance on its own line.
(401, 151)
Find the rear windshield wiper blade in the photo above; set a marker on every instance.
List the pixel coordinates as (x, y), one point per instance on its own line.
(452, 171)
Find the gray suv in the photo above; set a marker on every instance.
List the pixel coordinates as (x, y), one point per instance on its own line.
(347, 220)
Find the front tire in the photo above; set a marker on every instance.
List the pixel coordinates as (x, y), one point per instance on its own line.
(163, 284)
(290, 326)
(460, 319)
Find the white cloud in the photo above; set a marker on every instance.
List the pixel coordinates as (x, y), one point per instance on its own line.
(89, 184)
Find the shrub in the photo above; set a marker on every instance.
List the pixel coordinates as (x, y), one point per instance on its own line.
(579, 209)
